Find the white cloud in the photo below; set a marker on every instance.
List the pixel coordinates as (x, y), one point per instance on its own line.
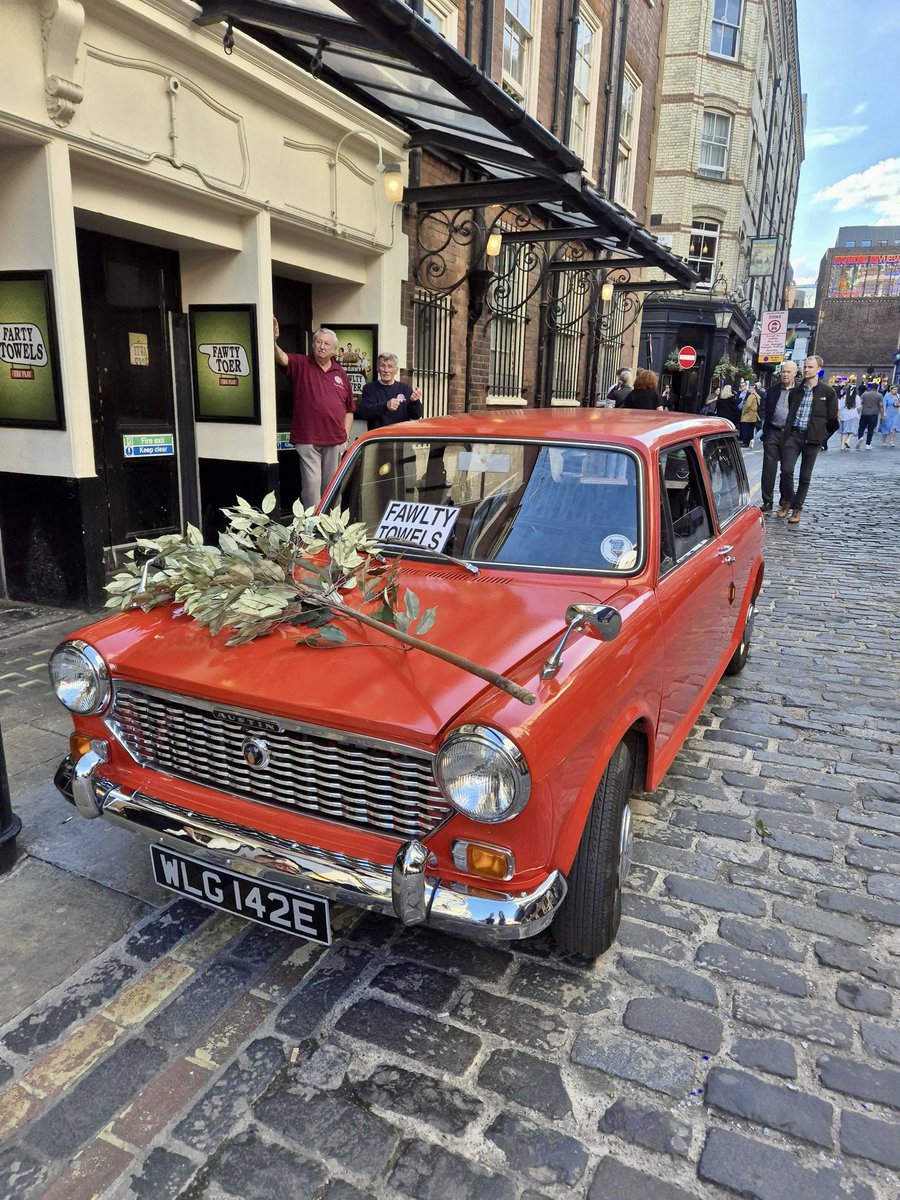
(860, 109)
(877, 189)
(833, 135)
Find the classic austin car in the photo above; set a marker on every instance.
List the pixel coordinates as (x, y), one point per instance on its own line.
(607, 562)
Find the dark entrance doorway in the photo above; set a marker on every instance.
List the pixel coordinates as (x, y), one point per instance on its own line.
(292, 301)
(128, 290)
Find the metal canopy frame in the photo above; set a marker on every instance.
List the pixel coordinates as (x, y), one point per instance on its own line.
(386, 57)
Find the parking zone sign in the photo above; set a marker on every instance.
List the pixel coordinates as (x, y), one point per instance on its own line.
(772, 336)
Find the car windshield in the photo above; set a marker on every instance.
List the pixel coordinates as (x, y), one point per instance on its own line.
(570, 507)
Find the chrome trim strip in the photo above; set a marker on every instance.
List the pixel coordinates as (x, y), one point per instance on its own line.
(286, 725)
(84, 793)
(453, 907)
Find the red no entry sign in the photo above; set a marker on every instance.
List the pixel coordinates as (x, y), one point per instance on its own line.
(687, 356)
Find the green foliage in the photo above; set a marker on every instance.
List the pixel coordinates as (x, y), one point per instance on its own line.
(264, 574)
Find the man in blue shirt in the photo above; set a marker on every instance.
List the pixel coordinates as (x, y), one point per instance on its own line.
(811, 417)
(386, 401)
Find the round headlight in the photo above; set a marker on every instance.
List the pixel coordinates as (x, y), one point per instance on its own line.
(483, 774)
(80, 678)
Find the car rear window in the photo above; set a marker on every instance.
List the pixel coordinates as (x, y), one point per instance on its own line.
(570, 507)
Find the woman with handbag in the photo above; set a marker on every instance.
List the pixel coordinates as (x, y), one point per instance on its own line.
(749, 417)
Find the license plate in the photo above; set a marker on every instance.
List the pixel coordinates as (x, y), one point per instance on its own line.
(256, 900)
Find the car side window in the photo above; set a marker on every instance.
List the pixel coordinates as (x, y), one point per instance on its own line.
(684, 518)
(727, 477)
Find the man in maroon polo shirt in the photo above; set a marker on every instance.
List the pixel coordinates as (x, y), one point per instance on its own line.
(323, 411)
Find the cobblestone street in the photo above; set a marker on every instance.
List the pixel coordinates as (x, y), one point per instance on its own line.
(740, 1038)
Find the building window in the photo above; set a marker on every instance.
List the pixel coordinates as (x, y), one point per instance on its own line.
(628, 128)
(849, 245)
(704, 251)
(507, 329)
(587, 55)
(865, 244)
(432, 324)
(714, 144)
(518, 41)
(441, 16)
(726, 25)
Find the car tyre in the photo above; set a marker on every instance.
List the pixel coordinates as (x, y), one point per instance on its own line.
(738, 660)
(588, 920)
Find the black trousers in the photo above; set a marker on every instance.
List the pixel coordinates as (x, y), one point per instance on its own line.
(793, 446)
(772, 440)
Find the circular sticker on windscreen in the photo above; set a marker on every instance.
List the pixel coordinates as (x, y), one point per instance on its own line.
(618, 550)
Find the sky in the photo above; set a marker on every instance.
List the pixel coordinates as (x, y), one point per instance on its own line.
(851, 173)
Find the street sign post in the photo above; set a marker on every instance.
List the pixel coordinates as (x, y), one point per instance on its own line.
(772, 337)
(687, 356)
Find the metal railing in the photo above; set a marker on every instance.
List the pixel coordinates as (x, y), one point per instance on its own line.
(432, 325)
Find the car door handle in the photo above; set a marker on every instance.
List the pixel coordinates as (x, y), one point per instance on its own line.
(724, 552)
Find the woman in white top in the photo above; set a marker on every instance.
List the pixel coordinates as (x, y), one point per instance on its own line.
(848, 415)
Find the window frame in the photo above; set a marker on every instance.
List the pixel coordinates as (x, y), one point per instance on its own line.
(708, 169)
(729, 443)
(523, 92)
(721, 24)
(626, 146)
(448, 15)
(667, 524)
(589, 19)
(698, 260)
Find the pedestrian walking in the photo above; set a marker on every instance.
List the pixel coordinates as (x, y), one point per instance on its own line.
(871, 412)
(749, 417)
(727, 405)
(848, 415)
(644, 393)
(890, 422)
(812, 416)
(617, 396)
(774, 413)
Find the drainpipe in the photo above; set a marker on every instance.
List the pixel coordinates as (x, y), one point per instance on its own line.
(570, 73)
(620, 90)
(487, 36)
(608, 91)
(470, 30)
(765, 179)
(557, 71)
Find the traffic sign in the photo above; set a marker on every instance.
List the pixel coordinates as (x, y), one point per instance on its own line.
(687, 356)
(772, 336)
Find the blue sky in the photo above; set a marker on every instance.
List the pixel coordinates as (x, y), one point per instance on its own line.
(850, 74)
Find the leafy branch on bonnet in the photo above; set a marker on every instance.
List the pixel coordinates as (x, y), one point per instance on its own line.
(264, 575)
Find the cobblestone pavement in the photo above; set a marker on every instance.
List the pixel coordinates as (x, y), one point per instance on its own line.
(740, 1039)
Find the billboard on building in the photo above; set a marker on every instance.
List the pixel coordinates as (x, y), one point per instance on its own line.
(858, 275)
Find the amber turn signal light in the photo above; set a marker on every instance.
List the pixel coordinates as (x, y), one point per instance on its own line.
(490, 862)
(79, 744)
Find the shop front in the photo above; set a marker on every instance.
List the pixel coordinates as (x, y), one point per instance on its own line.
(161, 202)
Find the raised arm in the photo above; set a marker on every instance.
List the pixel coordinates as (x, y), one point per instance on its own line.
(281, 359)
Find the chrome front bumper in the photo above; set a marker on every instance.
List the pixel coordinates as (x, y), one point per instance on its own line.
(403, 890)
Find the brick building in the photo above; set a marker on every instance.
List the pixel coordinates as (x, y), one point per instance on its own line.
(858, 303)
(727, 166)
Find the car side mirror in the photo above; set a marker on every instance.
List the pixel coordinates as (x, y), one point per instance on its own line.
(600, 619)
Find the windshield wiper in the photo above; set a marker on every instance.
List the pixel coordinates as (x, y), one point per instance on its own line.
(409, 545)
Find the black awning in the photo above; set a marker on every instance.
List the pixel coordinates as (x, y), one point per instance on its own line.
(386, 57)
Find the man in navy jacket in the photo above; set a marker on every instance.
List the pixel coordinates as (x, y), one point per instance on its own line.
(386, 401)
(773, 411)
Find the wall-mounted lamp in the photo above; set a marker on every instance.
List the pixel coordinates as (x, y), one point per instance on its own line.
(606, 291)
(393, 180)
(494, 244)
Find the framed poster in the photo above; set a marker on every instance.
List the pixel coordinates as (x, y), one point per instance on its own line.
(224, 362)
(30, 384)
(357, 350)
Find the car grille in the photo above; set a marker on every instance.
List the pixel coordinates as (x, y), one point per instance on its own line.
(316, 771)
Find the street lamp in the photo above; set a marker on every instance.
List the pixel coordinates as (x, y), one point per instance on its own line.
(722, 317)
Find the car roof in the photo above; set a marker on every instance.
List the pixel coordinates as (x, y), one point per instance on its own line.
(625, 425)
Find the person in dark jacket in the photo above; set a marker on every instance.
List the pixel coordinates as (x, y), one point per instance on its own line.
(774, 411)
(616, 396)
(812, 416)
(644, 394)
(727, 405)
(387, 401)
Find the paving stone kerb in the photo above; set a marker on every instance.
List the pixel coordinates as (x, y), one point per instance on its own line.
(740, 1040)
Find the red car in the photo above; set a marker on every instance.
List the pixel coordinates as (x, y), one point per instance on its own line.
(607, 562)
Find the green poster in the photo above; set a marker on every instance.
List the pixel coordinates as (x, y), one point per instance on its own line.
(30, 392)
(223, 354)
(356, 352)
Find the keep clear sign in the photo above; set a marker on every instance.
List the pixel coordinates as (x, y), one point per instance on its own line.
(425, 525)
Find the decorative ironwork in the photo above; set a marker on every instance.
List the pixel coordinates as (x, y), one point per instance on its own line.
(432, 321)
